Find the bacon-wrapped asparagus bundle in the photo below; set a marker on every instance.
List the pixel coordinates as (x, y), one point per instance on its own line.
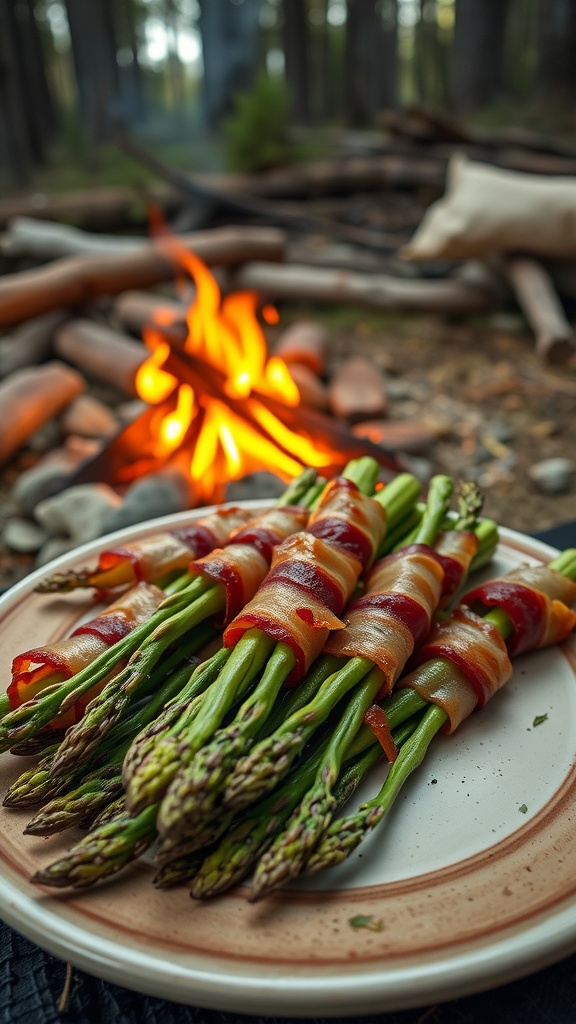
(464, 662)
(229, 573)
(156, 558)
(222, 582)
(312, 577)
(247, 659)
(35, 670)
(153, 558)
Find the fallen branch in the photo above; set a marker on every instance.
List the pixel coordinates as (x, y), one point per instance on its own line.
(47, 240)
(104, 209)
(75, 280)
(376, 291)
(289, 214)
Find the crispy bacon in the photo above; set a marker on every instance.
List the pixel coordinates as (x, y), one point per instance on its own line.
(474, 646)
(349, 519)
(375, 719)
(536, 600)
(64, 658)
(241, 565)
(441, 682)
(155, 556)
(393, 615)
(313, 575)
(301, 598)
(455, 550)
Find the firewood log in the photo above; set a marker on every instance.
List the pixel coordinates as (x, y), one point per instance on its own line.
(74, 280)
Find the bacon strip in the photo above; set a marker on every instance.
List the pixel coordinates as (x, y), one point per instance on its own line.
(241, 565)
(455, 550)
(474, 646)
(301, 598)
(394, 614)
(349, 519)
(64, 658)
(155, 556)
(441, 682)
(536, 600)
(313, 575)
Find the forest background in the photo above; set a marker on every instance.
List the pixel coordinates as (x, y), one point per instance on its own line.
(73, 73)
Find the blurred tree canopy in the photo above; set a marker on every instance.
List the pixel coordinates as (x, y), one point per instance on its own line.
(74, 71)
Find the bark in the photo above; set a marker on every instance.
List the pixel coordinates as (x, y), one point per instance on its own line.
(556, 49)
(295, 38)
(94, 55)
(230, 52)
(478, 54)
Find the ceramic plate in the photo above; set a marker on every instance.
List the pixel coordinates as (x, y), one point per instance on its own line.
(469, 883)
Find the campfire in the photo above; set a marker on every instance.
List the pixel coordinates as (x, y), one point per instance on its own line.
(218, 402)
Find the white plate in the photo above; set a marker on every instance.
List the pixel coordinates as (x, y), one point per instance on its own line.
(468, 884)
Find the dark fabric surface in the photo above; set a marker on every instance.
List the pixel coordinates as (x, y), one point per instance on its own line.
(32, 981)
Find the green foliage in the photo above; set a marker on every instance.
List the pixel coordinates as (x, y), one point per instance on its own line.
(256, 132)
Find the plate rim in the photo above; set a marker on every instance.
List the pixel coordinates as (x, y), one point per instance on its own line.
(507, 958)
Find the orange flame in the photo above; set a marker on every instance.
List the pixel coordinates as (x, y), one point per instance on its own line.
(237, 433)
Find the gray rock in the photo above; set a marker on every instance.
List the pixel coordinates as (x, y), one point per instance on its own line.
(23, 535)
(156, 495)
(255, 485)
(553, 476)
(76, 515)
(39, 483)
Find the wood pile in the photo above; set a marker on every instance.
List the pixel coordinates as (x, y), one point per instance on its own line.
(81, 278)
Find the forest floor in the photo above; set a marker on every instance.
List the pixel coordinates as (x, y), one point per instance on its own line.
(478, 382)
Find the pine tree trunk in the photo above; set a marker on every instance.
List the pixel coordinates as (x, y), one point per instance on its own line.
(557, 49)
(94, 56)
(295, 39)
(478, 55)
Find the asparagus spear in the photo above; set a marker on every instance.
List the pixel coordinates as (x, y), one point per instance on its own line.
(103, 852)
(251, 836)
(262, 768)
(186, 840)
(345, 834)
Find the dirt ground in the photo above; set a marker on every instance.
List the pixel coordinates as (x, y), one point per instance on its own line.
(497, 408)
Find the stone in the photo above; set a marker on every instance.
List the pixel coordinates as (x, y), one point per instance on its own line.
(313, 392)
(23, 535)
(553, 476)
(255, 485)
(158, 494)
(76, 515)
(50, 475)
